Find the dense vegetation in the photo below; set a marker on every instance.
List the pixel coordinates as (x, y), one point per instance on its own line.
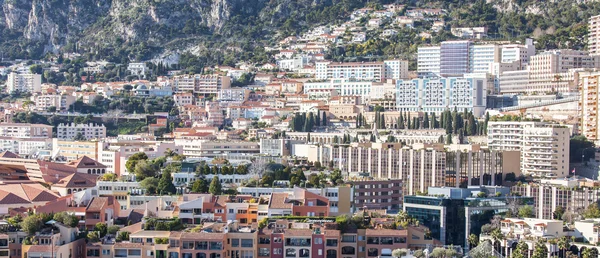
(255, 24)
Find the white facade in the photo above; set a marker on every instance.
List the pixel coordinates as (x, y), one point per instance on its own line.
(200, 84)
(440, 94)
(60, 101)
(24, 82)
(25, 130)
(366, 71)
(544, 147)
(294, 63)
(594, 35)
(89, 131)
(344, 87)
(25, 146)
(139, 69)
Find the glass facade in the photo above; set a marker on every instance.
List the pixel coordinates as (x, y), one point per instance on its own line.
(454, 57)
(446, 218)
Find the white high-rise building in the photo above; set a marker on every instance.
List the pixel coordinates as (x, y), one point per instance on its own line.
(544, 147)
(440, 94)
(24, 82)
(594, 35)
(89, 131)
(364, 71)
(460, 57)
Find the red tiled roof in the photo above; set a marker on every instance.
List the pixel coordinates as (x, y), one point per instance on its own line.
(278, 201)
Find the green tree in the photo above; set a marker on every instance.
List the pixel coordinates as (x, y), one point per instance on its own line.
(497, 236)
(564, 244)
(399, 252)
(144, 169)
(473, 241)
(32, 223)
(297, 177)
(215, 186)
(93, 236)
(526, 212)
(132, 161)
(592, 211)
(521, 251)
(101, 228)
(113, 229)
(540, 250)
(558, 213)
(165, 184)
(79, 137)
(150, 185)
(66, 219)
(200, 186)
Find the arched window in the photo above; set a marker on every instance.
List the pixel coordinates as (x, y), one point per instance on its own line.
(348, 250)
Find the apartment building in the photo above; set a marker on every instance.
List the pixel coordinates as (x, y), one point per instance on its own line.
(233, 95)
(594, 35)
(114, 152)
(59, 101)
(201, 84)
(24, 82)
(101, 209)
(544, 147)
(73, 150)
(37, 147)
(51, 242)
(528, 230)
(452, 58)
(365, 71)
(89, 131)
(192, 148)
(139, 69)
(25, 130)
(440, 94)
(548, 195)
(588, 105)
(378, 195)
(183, 99)
(420, 168)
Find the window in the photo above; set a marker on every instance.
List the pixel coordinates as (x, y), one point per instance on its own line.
(235, 242)
(263, 252)
(277, 251)
(319, 241)
(105, 251)
(247, 243)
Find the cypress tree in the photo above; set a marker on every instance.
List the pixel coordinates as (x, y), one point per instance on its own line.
(409, 126)
(415, 123)
(426, 121)
(382, 122)
(401, 121)
(311, 121)
(449, 139)
(448, 122)
(434, 122)
(485, 124)
(318, 120)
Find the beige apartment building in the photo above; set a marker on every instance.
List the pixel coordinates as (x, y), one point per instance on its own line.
(588, 104)
(422, 166)
(544, 147)
(594, 35)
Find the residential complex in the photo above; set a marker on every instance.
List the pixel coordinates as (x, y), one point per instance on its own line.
(544, 147)
(26, 82)
(594, 35)
(455, 58)
(25, 130)
(421, 168)
(86, 131)
(371, 71)
(200, 84)
(588, 105)
(441, 94)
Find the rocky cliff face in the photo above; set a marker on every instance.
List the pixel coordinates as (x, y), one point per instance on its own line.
(55, 22)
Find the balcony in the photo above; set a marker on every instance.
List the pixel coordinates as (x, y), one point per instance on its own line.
(297, 242)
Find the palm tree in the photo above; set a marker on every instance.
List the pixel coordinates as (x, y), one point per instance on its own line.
(563, 244)
(170, 153)
(497, 236)
(473, 241)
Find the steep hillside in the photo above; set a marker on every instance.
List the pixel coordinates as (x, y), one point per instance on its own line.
(218, 30)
